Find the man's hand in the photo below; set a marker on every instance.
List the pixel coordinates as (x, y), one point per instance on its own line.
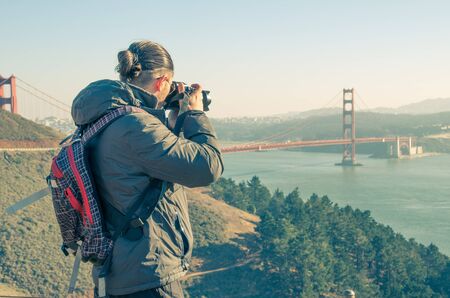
(192, 102)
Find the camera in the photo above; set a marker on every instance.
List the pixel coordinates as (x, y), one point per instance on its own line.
(178, 90)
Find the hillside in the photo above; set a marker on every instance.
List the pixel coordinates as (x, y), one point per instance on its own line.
(330, 126)
(313, 247)
(16, 131)
(341, 247)
(248, 243)
(428, 106)
(236, 222)
(26, 235)
(220, 266)
(218, 228)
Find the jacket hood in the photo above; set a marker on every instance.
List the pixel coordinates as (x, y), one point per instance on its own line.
(101, 96)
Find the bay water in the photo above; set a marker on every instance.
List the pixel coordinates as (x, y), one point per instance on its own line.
(410, 195)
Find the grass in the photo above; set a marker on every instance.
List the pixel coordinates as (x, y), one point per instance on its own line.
(16, 128)
(30, 259)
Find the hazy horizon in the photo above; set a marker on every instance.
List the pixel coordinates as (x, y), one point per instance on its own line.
(258, 58)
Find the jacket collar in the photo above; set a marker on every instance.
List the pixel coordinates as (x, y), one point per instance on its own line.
(144, 97)
(99, 97)
(148, 102)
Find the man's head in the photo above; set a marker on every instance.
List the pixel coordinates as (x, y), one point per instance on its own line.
(147, 65)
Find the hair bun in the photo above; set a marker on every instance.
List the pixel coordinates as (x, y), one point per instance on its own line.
(143, 60)
(128, 67)
(135, 71)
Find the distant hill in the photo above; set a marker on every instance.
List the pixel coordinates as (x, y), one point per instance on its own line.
(16, 131)
(65, 126)
(302, 115)
(428, 106)
(368, 124)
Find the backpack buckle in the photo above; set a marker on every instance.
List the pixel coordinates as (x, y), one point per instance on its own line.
(135, 230)
(64, 250)
(51, 182)
(70, 248)
(136, 223)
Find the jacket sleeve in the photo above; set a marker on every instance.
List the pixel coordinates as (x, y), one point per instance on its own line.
(192, 160)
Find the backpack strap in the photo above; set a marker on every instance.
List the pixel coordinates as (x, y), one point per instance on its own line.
(157, 189)
(76, 268)
(133, 231)
(107, 119)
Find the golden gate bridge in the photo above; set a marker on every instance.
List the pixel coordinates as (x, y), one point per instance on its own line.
(398, 145)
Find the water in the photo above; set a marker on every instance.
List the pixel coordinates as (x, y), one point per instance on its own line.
(411, 196)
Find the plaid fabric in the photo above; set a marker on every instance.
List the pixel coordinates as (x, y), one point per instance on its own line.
(104, 121)
(74, 197)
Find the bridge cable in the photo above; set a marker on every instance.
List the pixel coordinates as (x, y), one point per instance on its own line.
(42, 92)
(362, 100)
(304, 125)
(297, 127)
(290, 130)
(358, 107)
(43, 99)
(363, 107)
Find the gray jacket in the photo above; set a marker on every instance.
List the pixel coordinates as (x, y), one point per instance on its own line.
(124, 157)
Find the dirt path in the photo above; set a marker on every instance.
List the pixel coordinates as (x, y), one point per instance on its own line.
(237, 223)
(250, 259)
(6, 291)
(27, 149)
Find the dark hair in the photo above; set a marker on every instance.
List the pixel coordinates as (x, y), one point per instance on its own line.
(143, 57)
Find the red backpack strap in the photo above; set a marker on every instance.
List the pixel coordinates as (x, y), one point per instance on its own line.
(107, 119)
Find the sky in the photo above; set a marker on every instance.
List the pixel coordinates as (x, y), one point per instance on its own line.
(256, 57)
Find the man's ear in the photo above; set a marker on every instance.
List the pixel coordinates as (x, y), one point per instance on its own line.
(158, 83)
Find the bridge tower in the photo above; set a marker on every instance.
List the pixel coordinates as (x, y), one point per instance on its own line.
(12, 99)
(349, 132)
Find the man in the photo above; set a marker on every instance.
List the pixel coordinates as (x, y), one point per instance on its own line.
(148, 260)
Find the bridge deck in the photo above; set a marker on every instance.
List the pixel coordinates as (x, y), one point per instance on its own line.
(271, 146)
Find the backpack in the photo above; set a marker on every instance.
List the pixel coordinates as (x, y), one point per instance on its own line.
(78, 207)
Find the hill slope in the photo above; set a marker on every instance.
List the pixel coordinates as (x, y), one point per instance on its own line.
(313, 246)
(300, 247)
(25, 236)
(16, 131)
(341, 247)
(428, 106)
